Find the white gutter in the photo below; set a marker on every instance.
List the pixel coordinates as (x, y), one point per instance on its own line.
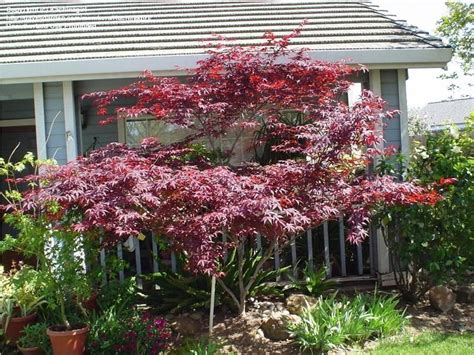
(104, 68)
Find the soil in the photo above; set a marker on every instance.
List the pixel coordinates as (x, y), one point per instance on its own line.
(242, 335)
(63, 328)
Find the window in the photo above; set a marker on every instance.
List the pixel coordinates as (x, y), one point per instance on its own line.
(133, 130)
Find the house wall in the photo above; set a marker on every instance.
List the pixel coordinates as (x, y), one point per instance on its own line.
(17, 109)
(390, 92)
(16, 102)
(95, 135)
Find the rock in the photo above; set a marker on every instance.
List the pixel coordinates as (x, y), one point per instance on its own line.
(465, 294)
(197, 315)
(295, 303)
(442, 298)
(275, 326)
(186, 325)
(280, 306)
(228, 349)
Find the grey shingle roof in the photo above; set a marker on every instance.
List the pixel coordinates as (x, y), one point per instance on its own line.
(441, 114)
(52, 31)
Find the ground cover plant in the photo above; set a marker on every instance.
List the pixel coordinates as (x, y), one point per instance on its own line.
(207, 204)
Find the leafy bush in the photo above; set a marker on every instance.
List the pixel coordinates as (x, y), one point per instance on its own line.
(177, 291)
(35, 336)
(262, 284)
(314, 282)
(437, 241)
(123, 294)
(336, 322)
(122, 330)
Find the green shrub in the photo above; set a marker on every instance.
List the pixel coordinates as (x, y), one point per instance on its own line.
(128, 331)
(35, 336)
(265, 277)
(177, 291)
(314, 282)
(337, 322)
(437, 241)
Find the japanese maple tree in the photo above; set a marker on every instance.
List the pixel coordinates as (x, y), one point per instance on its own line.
(318, 173)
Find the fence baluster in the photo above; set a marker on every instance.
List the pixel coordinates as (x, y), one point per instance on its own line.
(360, 265)
(259, 243)
(120, 256)
(102, 264)
(371, 250)
(277, 261)
(293, 256)
(173, 261)
(327, 259)
(154, 251)
(224, 241)
(138, 262)
(342, 247)
(309, 236)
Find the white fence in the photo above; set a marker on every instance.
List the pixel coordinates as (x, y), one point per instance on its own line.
(325, 245)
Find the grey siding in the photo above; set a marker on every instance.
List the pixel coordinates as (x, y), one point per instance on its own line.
(389, 85)
(95, 135)
(55, 129)
(16, 91)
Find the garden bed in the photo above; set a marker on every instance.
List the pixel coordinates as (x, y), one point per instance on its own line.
(243, 335)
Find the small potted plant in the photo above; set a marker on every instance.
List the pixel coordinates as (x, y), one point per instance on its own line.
(68, 288)
(19, 299)
(34, 340)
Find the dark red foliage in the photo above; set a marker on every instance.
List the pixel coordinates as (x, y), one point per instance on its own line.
(121, 191)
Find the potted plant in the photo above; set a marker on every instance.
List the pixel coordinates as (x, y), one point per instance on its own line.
(60, 257)
(34, 340)
(19, 299)
(68, 289)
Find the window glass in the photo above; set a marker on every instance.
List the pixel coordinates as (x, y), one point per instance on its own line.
(139, 128)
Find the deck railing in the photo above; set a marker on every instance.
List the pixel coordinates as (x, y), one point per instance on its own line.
(324, 246)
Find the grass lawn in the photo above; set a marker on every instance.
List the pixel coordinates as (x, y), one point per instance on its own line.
(429, 344)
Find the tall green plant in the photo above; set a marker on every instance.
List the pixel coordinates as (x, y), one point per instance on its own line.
(314, 282)
(336, 322)
(178, 291)
(57, 247)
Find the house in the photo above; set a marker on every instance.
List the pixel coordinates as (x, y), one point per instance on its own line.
(441, 114)
(52, 53)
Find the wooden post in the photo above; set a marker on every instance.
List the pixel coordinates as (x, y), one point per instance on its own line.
(211, 310)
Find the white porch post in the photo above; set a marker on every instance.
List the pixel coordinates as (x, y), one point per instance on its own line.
(70, 121)
(40, 124)
(383, 264)
(403, 107)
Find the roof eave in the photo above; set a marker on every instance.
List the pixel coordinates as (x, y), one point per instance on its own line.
(103, 68)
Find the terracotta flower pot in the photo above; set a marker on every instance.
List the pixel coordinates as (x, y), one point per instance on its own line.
(15, 327)
(31, 351)
(68, 342)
